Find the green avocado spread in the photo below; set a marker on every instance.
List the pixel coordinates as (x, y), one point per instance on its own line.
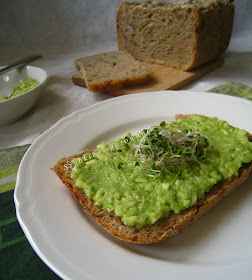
(165, 169)
(22, 87)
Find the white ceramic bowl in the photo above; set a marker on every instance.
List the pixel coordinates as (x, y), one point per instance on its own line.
(14, 108)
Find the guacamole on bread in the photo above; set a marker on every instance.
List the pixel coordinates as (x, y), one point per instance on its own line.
(145, 177)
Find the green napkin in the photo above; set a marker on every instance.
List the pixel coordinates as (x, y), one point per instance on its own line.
(17, 258)
(234, 89)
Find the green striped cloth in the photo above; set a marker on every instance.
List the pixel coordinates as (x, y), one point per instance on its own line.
(17, 258)
(234, 89)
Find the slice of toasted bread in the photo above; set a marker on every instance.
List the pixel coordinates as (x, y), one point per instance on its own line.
(110, 71)
(163, 228)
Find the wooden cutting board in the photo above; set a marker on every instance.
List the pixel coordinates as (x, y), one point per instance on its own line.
(163, 78)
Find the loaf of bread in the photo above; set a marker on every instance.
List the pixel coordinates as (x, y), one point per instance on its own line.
(112, 70)
(161, 229)
(182, 33)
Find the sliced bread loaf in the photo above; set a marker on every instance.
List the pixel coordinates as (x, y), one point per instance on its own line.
(163, 228)
(182, 33)
(112, 70)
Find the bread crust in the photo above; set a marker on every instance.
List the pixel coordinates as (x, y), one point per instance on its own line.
(202, 52)
(163, 228)
(111, 85)
(78, 79)
(120, 83)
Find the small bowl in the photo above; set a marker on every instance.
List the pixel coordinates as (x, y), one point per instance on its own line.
(14, 108)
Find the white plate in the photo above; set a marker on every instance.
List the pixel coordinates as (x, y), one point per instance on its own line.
(218, 245)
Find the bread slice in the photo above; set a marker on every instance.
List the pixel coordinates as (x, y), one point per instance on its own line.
(163, 228)
(182, 33)
(111, 70)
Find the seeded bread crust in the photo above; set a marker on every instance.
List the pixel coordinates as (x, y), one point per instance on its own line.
(182, 33)
(163, 228)
(111, 70)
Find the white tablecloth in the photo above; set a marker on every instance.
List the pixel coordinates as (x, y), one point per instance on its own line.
(64, 30)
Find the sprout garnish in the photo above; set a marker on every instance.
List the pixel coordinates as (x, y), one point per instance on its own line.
(162, 150)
